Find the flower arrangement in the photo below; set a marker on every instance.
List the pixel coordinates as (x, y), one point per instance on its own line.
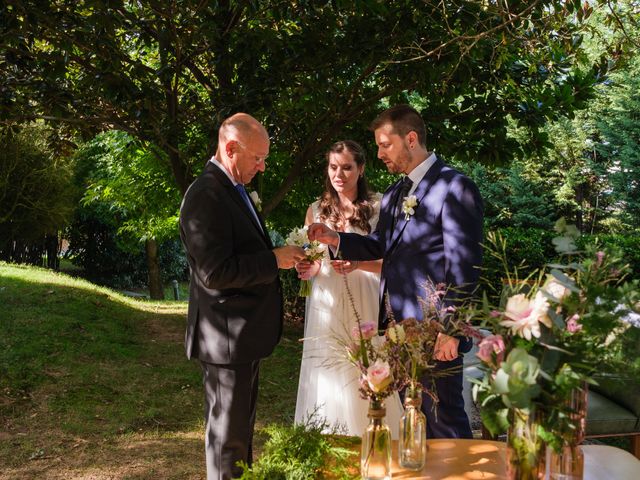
(399, 356)
(414, 342)
(313, 250)
(552, 331)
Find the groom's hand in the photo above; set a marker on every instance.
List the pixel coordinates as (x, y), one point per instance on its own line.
(446, 348)
(323, 234)
(288, 256)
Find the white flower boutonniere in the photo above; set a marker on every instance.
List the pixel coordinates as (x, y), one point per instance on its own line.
(255, 198)
(408, 205)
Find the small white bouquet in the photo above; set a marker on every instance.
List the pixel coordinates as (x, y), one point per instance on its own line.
(313, 250)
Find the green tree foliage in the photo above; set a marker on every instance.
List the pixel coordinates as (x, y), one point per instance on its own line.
(137, 190)
(618, 122)
(36, 194)
(314, 72)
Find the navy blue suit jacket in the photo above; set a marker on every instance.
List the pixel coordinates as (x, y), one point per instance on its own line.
(440, 242)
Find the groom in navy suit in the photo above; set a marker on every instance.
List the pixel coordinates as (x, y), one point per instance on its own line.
(439, 242)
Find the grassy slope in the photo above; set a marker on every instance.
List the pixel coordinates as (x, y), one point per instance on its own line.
(96, 385)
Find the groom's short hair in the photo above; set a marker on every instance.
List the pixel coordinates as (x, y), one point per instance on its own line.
(403, 119)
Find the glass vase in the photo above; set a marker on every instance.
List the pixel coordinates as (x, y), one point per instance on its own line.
(412, 446)
(568, 463)
(525, 448)
(375, 457)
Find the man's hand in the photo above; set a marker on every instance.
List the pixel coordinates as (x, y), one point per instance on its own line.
(446, 348)
(323, 234)
(288, 256)
(307, 269)
(344, 266)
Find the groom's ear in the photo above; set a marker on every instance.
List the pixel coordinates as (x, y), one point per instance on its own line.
(412, 139)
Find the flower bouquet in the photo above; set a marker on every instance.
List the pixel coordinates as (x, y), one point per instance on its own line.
(313, 250)
(412, 347)
(551, 332)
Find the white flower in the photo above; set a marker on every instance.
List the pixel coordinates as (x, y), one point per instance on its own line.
(556, 289)
(378, 342)
(379, 376)
(396, 334)
(524, 316)
(298, 237)
(255, 198)
(408, 205)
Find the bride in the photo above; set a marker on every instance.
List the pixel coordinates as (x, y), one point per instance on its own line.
(328, 386)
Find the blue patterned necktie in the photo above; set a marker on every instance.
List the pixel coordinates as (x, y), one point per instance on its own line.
(245, 196)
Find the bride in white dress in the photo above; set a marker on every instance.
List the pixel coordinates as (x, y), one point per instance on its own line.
(328, 386)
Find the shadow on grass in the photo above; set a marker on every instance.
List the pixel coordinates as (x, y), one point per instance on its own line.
(90, 379)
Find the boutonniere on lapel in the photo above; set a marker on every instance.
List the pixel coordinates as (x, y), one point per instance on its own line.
(408, 206)
(255, 198)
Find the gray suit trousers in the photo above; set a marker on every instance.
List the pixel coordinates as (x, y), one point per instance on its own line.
(231, 392)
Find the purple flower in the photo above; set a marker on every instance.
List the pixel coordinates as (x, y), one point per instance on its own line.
(572, 324)
(367, 330)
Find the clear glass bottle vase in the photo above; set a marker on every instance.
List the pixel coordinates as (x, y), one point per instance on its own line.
(525, 448)
(412, 446)
(568, 463)
(375, 457)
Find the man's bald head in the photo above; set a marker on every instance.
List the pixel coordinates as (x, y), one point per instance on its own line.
(243, 146)
(240, 127)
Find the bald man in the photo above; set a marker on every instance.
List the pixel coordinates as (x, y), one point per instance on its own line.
(235, 299)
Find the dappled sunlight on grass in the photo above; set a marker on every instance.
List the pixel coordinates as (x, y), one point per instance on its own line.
(48, 278)
(178, 455)
(96, 385)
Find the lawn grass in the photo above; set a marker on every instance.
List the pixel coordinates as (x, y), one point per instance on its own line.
(94, 384)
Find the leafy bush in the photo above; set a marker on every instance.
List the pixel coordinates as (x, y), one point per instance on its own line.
(628, 244)
(95, 247)
(527, 248)
(531, 248)
(301, 452)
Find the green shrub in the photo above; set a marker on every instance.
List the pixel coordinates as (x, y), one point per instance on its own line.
(301, 452)
(627, 244)
(531, 249)
(527, 248)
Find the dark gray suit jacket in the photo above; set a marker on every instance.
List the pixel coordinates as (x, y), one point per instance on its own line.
(235, 299)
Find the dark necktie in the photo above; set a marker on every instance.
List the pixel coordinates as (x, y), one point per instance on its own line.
(245, 196)
(403, 191)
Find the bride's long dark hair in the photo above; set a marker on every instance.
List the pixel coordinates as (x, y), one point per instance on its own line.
(329, 208)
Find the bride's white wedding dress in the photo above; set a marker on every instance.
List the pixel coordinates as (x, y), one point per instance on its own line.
(328, 385)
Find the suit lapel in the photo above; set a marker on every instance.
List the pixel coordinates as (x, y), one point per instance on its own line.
(421, 190)
(237, 198)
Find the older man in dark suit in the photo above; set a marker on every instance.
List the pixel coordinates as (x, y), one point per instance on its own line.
(235, 300)
(439, 242)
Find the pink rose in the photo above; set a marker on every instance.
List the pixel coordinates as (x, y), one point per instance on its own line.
(379, 376)
(367, 330)
(572, 324)
(489, 345)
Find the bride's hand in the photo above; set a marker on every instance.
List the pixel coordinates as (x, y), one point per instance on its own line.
(344, 266)
(307, 269)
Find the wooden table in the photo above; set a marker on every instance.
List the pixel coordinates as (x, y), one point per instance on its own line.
(485, 460)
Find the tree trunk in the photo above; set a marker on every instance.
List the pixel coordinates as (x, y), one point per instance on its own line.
(52, 249)
(156, 292)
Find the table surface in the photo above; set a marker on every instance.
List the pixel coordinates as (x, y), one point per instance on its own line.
(483, 459)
